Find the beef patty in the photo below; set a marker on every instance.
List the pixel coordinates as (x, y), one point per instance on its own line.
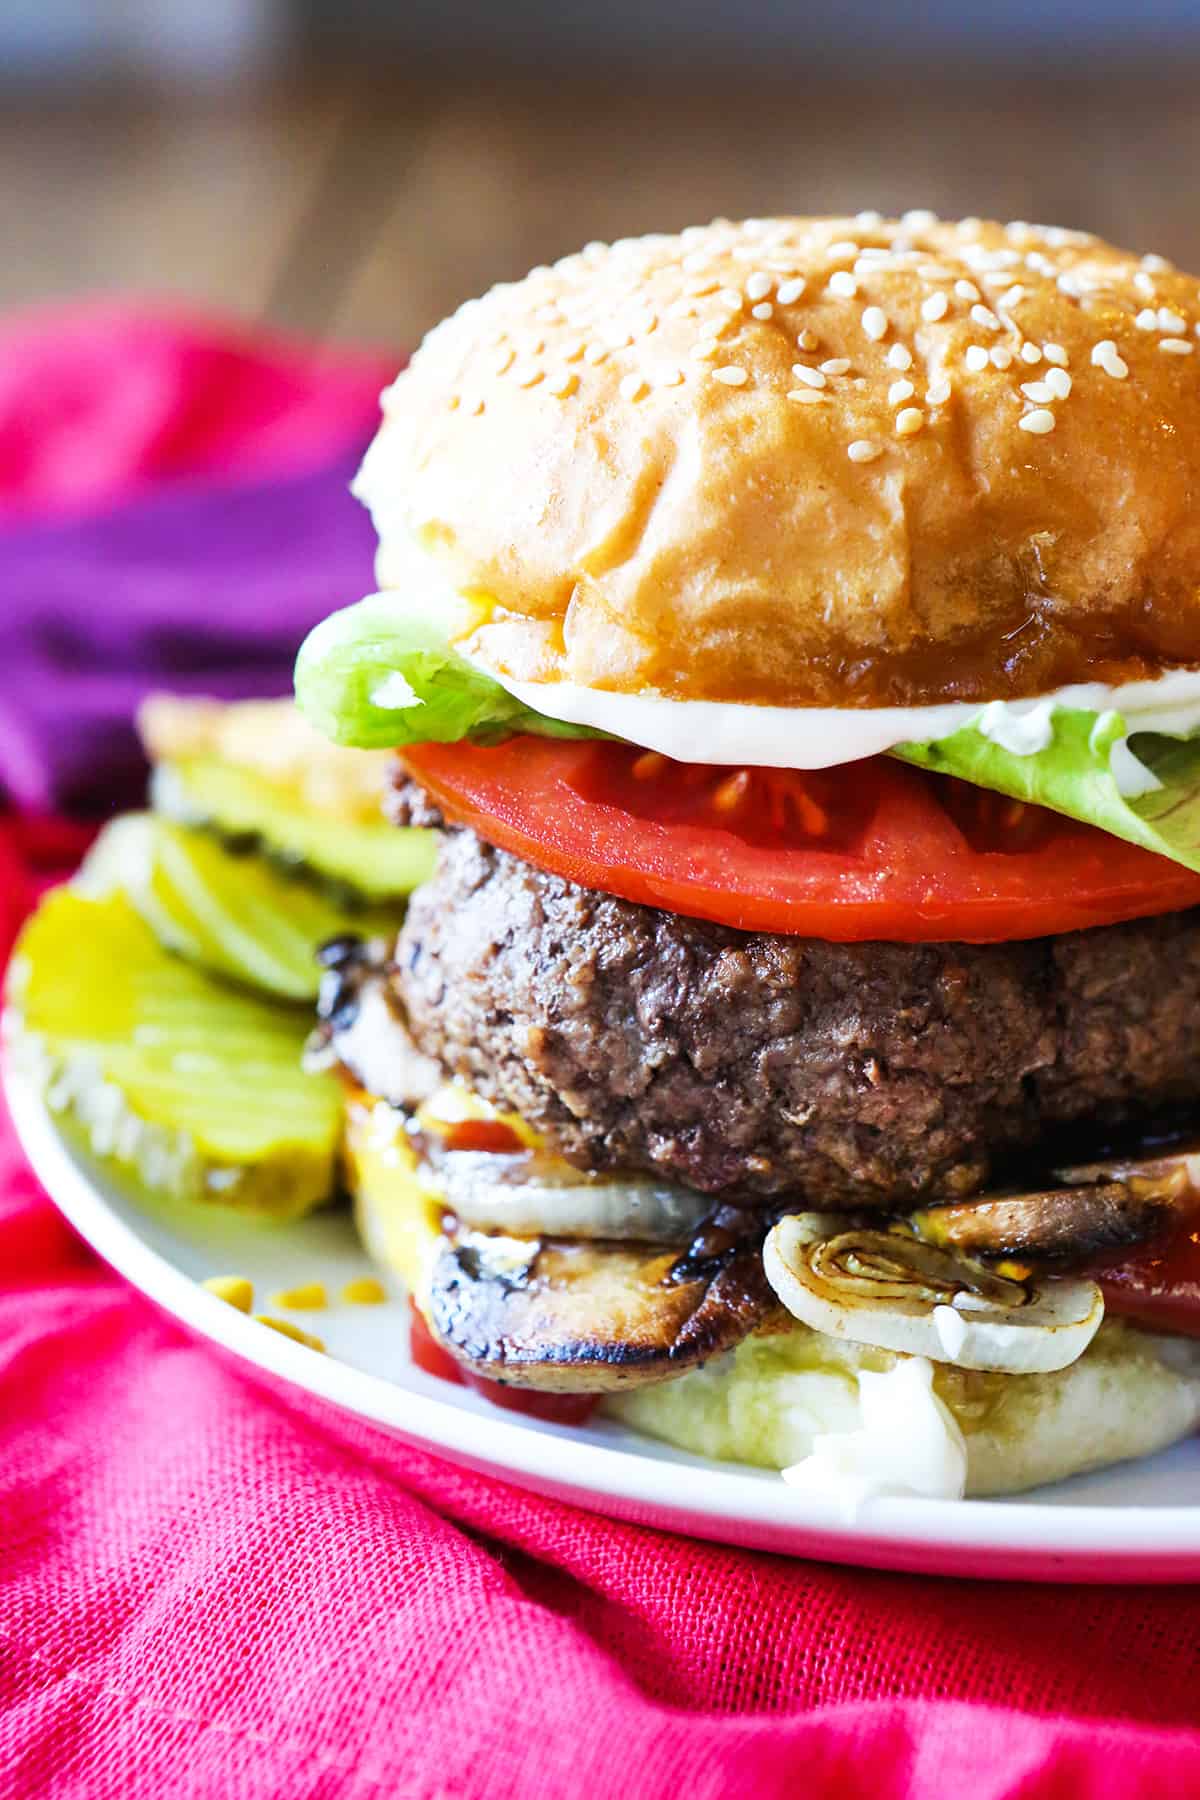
(855, 1074)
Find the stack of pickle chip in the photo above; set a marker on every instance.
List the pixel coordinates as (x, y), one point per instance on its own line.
(162, 999)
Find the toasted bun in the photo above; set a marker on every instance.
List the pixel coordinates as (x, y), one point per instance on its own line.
(620, 453)
(1128, 1395)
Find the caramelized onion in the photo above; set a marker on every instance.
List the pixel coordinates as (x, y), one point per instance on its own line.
(890, 1290)
(539, 1196)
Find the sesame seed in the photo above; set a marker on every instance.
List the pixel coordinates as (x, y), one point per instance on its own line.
(764, 310)
(572, 352)
(619, 340)
(1171, 322)
(1069, 285)
(935, 272)
(731, 375)
(505, 361)
(899, 392)
(868, 221)
(1054, 353)
(1030, 353)
(1000, 356)
(812, 378)
(843, 284)
(1105, 356)
(806, 395)
(937, 393)
(983, 315)
(731, 298)
(966, 290)
(530, 377)
(1158, 265)
(669, 378)
(1012, 296)
(899, 357)
(453, 403)
(976, 358)
(1147, 319)
(1059, 383)
(789, 291)
(705, 348)
(563, 383)
(908, 421)
(862, 450)
(595, 353)
(1176, 346)
(919, 218)
(1039, 392)
(1143, 284)
(843, 248)
(934, 308)
(837, 365)
(758, 286)
(708, 284)
(875, 322)
(475, 407)
(1039, 422)
(808, 340)
(633, 386)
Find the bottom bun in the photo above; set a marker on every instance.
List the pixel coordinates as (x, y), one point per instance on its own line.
(1128, 1395)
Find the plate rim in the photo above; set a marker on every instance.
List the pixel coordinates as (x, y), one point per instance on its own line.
(1009, 1539)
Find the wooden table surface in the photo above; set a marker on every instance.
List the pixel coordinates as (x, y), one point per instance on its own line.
(366, 207)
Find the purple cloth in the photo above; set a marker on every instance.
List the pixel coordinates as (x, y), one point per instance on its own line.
(207, 588)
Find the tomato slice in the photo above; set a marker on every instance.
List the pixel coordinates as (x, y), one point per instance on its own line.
(1161, 1290)
(874, 849)
(558, 1409)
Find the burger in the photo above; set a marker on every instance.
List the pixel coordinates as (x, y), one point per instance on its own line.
(792, 628)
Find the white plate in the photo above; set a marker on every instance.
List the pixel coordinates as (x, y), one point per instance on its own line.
(1139, 1522)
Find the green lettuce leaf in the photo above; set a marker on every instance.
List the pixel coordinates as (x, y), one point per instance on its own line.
(1072, 775)
(380, 675)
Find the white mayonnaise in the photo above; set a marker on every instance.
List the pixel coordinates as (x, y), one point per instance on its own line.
(819, 737)
(909, 1443)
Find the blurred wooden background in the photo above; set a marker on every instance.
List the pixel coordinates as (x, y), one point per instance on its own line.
(364, 207)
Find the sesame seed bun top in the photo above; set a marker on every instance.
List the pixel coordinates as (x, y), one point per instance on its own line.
(813, 461)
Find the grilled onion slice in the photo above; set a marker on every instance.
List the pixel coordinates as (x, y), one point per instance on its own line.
(891, 1290)
(529, 1195)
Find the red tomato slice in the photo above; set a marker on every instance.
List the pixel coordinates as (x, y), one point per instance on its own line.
(1161, 1290)
(874, 849)
(558, 1409)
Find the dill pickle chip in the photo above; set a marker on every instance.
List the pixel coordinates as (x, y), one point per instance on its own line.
(237, 915)
(368, 858)
(189, 1087)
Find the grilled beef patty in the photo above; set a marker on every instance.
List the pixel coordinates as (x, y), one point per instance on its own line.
(869, 1074)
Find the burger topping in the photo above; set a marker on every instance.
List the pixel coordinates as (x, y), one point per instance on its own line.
(1100, 1209)
(908, 1443)
(569, 1316)
(898, 1293)
(530, 1193)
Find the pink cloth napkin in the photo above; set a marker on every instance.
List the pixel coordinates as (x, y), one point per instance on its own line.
(211, 1589)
